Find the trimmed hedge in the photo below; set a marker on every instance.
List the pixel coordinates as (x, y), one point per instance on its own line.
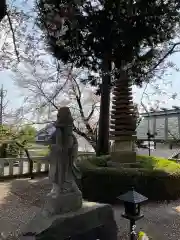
(105, 184)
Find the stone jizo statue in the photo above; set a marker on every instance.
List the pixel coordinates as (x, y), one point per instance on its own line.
(63, 153)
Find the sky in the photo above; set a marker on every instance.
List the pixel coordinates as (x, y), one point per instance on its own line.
(15, 98)
(14, 94)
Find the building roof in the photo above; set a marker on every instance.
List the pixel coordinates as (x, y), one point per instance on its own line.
(50, 128)
(164, 124)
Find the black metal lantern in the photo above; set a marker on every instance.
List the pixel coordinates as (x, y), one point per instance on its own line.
(2, 9)
(132, 209)
(132, 201)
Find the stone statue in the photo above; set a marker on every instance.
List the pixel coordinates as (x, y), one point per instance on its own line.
(62, 173)
(64, 215)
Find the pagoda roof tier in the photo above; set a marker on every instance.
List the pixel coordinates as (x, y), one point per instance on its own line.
(128, 124)
(123, 123)
(122, 88)
(120, 96)
(118, 101)
(122, 85)
(123, 111)
(122, 133)
(129, 106)
(122, 102)
(122, 118)
(124, 128)
(121, 92)
(120, 121)
(127, 112)
(122, 81)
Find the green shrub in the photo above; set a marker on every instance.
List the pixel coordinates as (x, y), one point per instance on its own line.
(99, 161)
(159, 179)
(13, 150)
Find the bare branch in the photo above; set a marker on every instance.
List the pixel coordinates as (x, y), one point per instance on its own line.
(13, 36)
(169, 52)
(78, 99)
(91, 113)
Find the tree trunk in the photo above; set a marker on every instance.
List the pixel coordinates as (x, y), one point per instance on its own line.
(2, 9)
(103, 129)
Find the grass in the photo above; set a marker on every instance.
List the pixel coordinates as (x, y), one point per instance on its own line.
(158, 163)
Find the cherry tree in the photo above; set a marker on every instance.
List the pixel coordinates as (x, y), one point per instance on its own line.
(44, 93)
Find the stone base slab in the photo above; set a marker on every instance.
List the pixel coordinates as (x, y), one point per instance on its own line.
(123, 138)
(93, 221)
(123, 156)
(63, 203)
(122, 146)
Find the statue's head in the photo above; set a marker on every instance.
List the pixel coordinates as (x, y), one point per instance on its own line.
(64, 117)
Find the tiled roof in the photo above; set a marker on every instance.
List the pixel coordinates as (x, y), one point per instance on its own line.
(165, 124)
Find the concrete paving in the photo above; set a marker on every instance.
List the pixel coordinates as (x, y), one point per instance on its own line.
(21, 199)
(164, 153)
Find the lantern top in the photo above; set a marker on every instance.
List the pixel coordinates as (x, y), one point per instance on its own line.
(132, 197)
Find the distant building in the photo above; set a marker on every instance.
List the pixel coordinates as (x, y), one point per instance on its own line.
(164, 125)
(46, 132)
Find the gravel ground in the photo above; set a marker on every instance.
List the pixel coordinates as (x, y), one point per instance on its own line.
(20, 199)
(160, 222)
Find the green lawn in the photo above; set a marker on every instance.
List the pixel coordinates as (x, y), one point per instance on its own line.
(157, 163)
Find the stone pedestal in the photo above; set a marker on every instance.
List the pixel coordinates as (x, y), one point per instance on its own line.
(123, 150)
(63, 203)
(92, 221)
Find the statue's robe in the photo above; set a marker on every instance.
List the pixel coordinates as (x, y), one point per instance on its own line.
(62, 161)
